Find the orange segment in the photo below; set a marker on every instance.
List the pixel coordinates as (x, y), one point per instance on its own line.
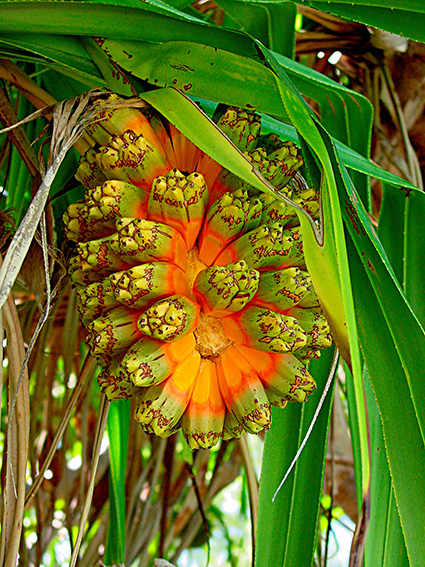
(233, 330)
(202, 422)
(160, 407)
(242, 391)
(284, 375)
(149, 362)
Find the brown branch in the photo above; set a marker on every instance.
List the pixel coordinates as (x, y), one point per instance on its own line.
(18, 137)
(17, 449)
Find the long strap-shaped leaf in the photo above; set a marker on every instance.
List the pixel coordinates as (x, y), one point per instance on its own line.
(384, 317)
(328, 265)
(287, 527)
(400, 230)
(374, 284)
(157, 21)
(118, 430)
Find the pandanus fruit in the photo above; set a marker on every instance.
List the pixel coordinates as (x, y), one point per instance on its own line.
(192, 284)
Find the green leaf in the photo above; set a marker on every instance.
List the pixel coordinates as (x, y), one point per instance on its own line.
(155, 22)
(18, 182)
(401, 18)
(118, 431)
(65, 53)
(62, 86)
(325, 255)
(395, 375)
(271, 23)
(346, 115)
(113, 75)
(390, 383)
(401, 232)
(353, 423)
(200, 70)
(392, 301)
(287, 527)
(385, 545)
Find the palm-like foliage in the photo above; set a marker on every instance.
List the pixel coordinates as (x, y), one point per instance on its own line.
(369, 282)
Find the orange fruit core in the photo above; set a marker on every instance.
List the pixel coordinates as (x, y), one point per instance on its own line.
(210, 338)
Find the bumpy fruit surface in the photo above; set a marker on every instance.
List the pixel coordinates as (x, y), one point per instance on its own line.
(193, 286)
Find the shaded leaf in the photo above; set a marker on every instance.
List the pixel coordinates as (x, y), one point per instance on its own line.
(385, 544)
(271, 23)
(118, 425)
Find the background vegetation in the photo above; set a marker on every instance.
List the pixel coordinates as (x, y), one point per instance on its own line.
(127, 498)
